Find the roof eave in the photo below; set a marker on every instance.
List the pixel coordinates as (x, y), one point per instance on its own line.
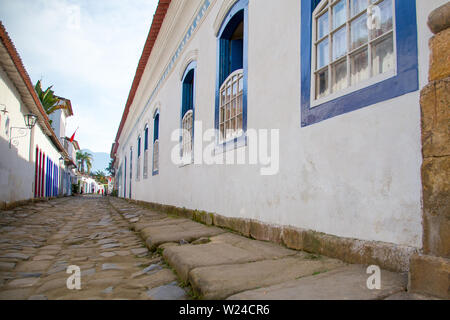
(158, 19)
(15, 69)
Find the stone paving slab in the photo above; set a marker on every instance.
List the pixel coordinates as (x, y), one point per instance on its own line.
(175, 232)
(220, 282)
(410, 296)
(167, 292)
(222, 250)
(347, 283)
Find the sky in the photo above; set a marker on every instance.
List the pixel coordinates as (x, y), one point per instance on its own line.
(88, 50)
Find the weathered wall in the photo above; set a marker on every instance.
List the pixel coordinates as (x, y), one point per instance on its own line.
(15, 167)
(356, 175)
(430, 271)
(17, 164)
(435, 101)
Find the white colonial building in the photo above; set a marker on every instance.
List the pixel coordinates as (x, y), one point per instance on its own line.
(314, 106)
(34, 162)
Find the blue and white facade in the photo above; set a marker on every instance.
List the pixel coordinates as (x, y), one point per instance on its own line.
(333, 84)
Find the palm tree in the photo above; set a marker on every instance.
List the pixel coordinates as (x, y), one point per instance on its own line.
(88, 159)
(110, 168)
(49, 101)
(100, 177)
(84, 158)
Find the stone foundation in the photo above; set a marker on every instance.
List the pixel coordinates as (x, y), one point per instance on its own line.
(15, 204)
(386, 255)
(430, 275)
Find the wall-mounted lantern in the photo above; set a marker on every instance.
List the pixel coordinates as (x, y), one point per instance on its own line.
(30, 121)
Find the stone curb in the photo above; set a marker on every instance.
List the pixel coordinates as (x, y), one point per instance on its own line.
(387, 256)
(11, 205)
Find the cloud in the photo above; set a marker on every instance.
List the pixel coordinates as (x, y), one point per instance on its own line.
(88, 50)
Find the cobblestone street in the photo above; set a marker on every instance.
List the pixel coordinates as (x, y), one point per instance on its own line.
(109, 240)
(38, 242)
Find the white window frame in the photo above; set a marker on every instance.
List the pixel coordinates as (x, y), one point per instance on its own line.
(327, 5)
(239, 97)
(156, 156)
(145, 163)
(187, 138)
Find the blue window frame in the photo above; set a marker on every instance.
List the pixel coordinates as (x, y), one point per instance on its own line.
(155, 164)
(146, 138)
(405, 80)
(232, 53)
(188, 85)
(188, 105)
(131, 163)
(131, 168)
(139, 147)
(156, 126)
(125, 179)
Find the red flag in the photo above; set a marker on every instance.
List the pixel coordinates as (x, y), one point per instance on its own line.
(73, 136)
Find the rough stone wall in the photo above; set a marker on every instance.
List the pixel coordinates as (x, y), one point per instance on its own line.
(435, 108)
(430, 271)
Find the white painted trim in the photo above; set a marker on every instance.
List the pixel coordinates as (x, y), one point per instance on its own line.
(189, 57)
(156, 107)
(224, 8)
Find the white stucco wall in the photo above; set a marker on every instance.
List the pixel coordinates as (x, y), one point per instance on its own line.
(58, 119)
(17, 164)
(356, 175)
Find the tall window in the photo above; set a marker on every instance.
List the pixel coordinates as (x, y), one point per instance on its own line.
(187, 113)
(131, 169)
(138, 160)
(156, 143)
(353, 42)
(125, 179)
(145, 152)
(231, 102)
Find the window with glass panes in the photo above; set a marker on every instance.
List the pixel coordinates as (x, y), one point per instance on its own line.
(145, 174)
(187, 135)
(354, 41)
(231, 85)
(231, 115)
(156, 143)
(187, 113)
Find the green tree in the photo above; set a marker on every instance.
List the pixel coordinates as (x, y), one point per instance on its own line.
(100, 177)
(84, 158)
(49, 101)
(110, 167)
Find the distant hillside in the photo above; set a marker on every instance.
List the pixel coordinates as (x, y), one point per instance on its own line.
(100, 160)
